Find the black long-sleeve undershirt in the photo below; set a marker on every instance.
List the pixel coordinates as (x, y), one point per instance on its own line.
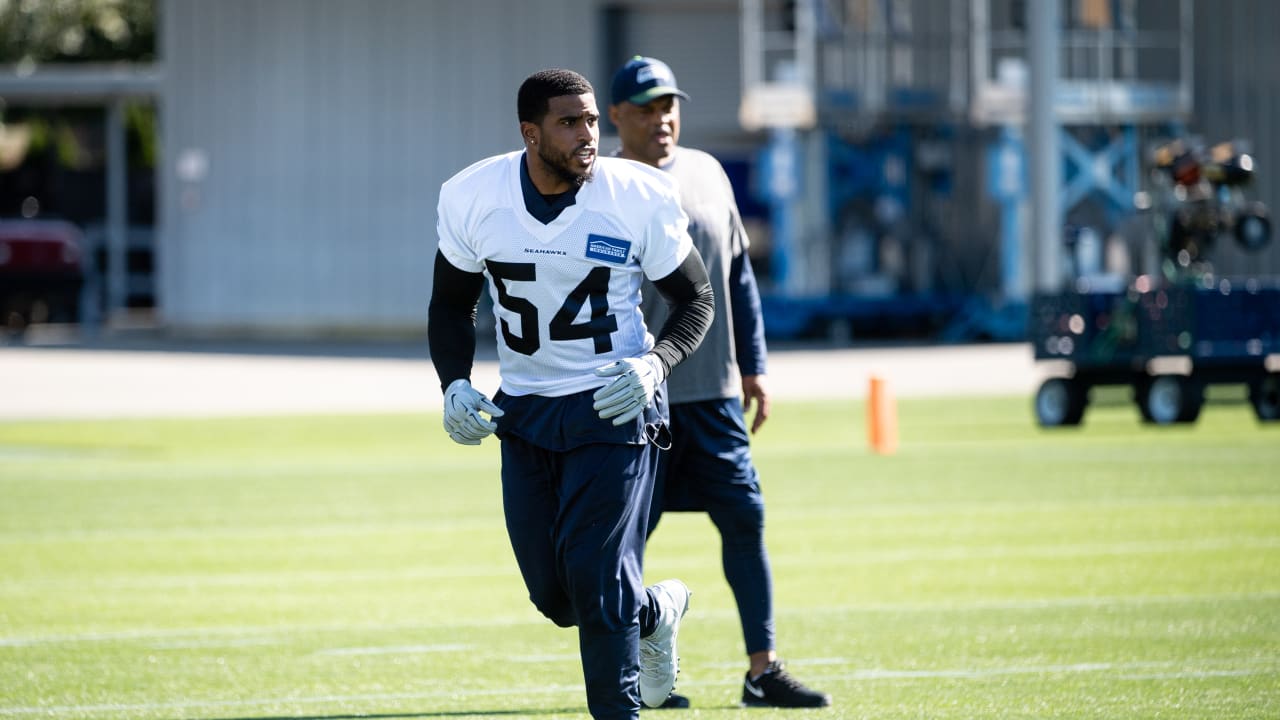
(451, 320)
(451, 317)
(693, 305)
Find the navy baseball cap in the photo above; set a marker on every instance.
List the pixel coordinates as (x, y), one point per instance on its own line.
(643, 79)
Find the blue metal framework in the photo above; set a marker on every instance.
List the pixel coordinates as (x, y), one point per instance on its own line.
(1110, 172)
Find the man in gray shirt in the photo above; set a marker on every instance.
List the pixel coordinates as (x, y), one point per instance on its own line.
(708, 467)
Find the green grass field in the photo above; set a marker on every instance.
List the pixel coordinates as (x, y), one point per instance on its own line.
(340, 567)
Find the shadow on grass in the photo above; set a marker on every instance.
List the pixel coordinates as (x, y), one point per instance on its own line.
(388, 716)
(441, 714)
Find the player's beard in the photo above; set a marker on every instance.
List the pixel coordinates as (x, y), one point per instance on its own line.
(560, 165)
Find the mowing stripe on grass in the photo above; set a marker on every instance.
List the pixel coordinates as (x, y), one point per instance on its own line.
(289, 700)
(1171, 669)
(296, 577)
(279, 578)
(925, 508)
(922, 508)
(1063, 550)
(1117, 670)
(394, 650)
(261, 632)
(434, 525)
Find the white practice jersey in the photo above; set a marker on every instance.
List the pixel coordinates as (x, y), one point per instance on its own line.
(566, 295)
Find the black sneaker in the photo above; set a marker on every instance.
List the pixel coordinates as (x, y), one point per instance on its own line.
(776, 688)
(674, 701)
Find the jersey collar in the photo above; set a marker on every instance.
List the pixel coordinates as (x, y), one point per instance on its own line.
(536, 203)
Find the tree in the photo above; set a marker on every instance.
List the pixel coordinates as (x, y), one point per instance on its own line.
(53, 153)
(40, 31)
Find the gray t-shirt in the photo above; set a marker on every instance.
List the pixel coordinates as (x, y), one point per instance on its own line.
(711, 372)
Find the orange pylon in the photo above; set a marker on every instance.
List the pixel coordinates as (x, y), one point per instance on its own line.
(882, 417)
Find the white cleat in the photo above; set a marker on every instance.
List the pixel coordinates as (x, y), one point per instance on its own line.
(659, 663)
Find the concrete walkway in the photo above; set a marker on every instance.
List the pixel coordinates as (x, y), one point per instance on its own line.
(43, 383)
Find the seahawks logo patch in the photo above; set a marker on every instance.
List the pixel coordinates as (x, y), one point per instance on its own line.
(603, 247)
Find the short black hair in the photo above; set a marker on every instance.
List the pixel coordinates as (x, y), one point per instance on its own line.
(532, 102)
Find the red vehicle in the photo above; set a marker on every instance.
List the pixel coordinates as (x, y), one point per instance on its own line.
(41, 272)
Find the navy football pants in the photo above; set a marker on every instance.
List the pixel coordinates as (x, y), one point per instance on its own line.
(577, 520)
(709, 469)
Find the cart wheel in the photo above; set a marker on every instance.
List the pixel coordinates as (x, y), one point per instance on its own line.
(1059, 402)
(1264, 393)
(1253, 227)
(1141, 391)
(1172, 399)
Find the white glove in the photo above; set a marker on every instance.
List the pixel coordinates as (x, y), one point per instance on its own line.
(627, 396)
(462, 419)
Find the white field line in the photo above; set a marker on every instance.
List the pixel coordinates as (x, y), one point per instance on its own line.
(986, 508)
(729, 614)
(166, 638)
(428, 526)
(276, 702)
(270, 579)
(1141, 669)
(1033, 551)
(1118, 671)
(276, 579)
(395, 650)
(1041, 603)
(212, 643)
(281, 634)
(1191, 674)
(450, 525)
(1128, 670)
(546, 658)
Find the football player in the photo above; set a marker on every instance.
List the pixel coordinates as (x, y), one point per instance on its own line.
(563, 239)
